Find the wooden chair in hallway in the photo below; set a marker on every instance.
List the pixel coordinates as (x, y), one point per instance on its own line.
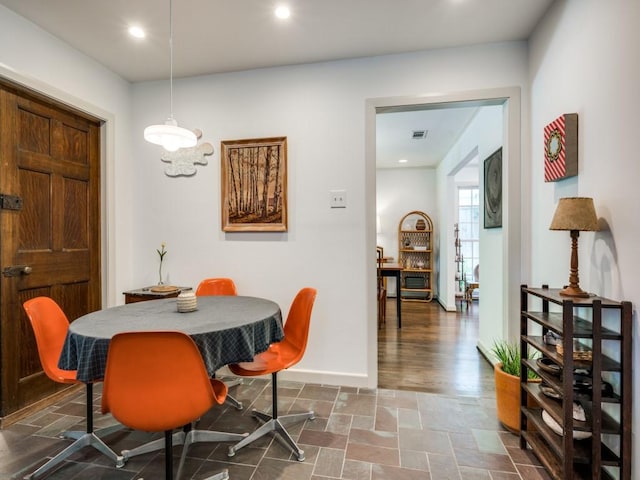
(382, 290)
(50, 326)
(474, 284)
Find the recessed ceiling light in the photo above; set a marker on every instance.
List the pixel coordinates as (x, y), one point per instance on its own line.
(403, 160)
(136, 31)
(283, 12)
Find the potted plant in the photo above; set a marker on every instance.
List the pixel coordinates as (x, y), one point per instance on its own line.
(507, 380)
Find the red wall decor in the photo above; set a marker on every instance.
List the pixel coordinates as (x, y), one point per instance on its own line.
(561, 148)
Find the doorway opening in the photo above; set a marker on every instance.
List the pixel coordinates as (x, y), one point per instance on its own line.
(469, 226)
(467, 242)
(504, 251)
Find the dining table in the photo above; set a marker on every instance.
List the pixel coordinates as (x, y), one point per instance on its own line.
(226, 329)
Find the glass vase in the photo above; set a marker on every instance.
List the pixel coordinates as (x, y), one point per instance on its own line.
(160, 282)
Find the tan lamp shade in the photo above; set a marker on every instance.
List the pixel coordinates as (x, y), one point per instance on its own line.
(575, 213)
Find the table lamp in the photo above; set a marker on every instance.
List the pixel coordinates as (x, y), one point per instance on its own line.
(575, 214)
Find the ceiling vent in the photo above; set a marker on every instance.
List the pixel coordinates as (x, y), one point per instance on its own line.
(419, 134)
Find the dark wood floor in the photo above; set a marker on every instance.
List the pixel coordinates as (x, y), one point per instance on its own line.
(434, 351)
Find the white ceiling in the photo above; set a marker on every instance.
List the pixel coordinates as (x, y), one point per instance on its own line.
(394, 132)
(213, 36)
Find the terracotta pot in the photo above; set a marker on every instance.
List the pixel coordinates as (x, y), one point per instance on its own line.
(507, 398)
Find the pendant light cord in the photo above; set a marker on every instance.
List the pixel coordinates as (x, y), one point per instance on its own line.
(171, 58)
(169, 135)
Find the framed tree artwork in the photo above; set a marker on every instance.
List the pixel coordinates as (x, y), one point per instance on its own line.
(254, 185)
(493, 190)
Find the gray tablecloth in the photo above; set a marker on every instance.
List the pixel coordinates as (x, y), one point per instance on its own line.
(227, 329)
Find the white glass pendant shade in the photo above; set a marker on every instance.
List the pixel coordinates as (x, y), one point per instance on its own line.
(170, 136)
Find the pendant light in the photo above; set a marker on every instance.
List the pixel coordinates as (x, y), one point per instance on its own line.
(169, 135)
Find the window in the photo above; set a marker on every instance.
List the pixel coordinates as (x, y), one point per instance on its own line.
(469, 224)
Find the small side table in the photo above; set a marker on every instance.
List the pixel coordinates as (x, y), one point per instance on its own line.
(145, 294)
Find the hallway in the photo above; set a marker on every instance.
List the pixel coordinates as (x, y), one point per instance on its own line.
(434, 352)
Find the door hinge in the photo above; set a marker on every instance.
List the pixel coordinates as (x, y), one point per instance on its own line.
(10, 202)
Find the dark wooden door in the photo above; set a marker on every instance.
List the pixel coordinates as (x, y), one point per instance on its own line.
(50, 159)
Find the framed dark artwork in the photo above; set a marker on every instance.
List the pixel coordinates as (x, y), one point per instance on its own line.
(561, 148)
(493, 190)
(254, 185)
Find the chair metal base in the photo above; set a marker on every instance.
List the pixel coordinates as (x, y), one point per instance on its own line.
(275, 425)
(223, 475)
(88, 438)
(234, 402)
(183, 438)
(82, 439)
(231, 400)
(153, 446)
(201, 436)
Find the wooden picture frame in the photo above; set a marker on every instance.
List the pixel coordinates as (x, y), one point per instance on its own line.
(493, 190)
(254, 185)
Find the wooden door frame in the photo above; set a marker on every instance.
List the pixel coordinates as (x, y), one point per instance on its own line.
(14, 98)
(107, 169)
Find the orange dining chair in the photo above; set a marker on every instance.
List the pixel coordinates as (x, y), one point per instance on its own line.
(280, 356)
(216, 286)
(50, 326)
(221, 286)
(157, 382)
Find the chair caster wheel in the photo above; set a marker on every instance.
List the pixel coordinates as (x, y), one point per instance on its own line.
(231, 452)
(120, 462)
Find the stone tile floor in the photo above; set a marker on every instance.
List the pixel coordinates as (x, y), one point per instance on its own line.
(358, 434)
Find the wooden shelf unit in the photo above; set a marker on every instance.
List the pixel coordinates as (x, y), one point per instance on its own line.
(608, 417)
(415, 254)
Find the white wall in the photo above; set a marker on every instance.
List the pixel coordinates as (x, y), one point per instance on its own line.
(469, 176)
(34, 58)
(482, 137)
(398, 192)
(585, 59)
(321, 109)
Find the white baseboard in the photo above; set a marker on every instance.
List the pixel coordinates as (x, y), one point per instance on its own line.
(318, 377)
(329, 378)
(486, 352)
(446, 307)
